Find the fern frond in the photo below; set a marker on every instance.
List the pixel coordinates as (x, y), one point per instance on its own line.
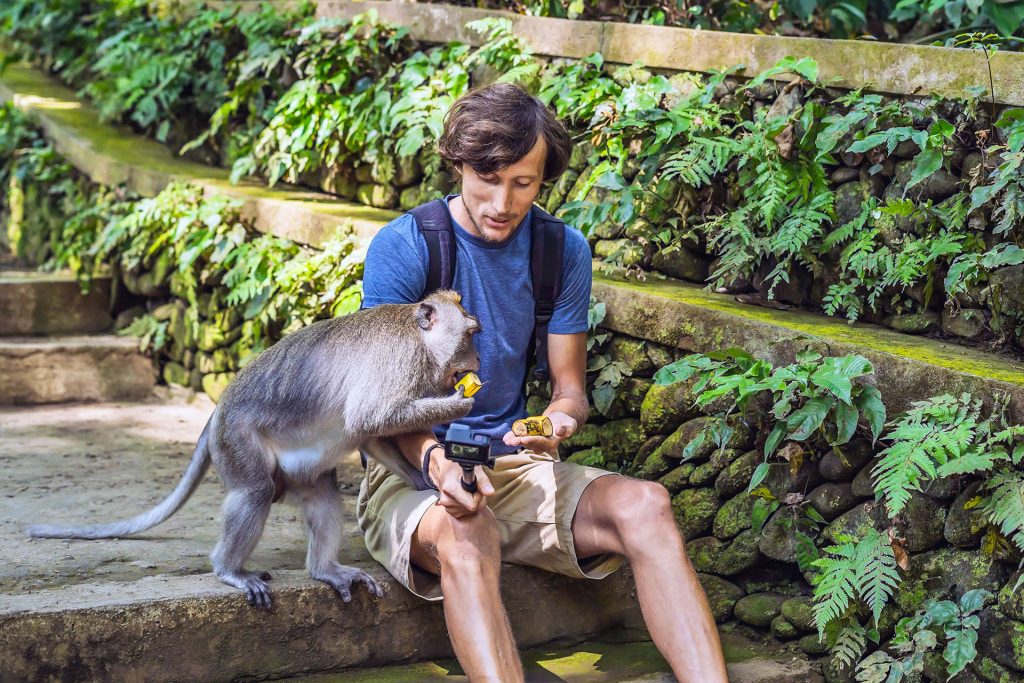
(851, 641)
(1005, 506)
(837, 584)
(879, 576)
(902, 469)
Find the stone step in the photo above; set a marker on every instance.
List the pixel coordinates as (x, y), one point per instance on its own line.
(147, 608)
(907, 368)
(35, 303)
(73, 368)
(749, 661)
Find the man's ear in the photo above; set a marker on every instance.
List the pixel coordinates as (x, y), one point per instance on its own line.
(425, 315)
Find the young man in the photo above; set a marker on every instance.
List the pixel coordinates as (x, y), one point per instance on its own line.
(531, 508)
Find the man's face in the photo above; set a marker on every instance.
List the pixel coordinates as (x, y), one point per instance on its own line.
(497, 202)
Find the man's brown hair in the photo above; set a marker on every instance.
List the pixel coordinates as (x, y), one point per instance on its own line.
(493, 127)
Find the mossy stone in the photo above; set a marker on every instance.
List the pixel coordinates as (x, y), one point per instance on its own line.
(782, 629)
(705, 553)
(722, 596)
(844, 464)
(631, 352)
(376, 195)
(629, 396)
(812, 646)
(836, 671)
(965, 527)
(665, 407)
(679, 262)
(204, 362)
(1002, 639)
(799, 611)
(739, 555)
(850, 199)
(409, 198)
(925, 522)
(163, 312)
(718, 461)
(968, 323)
(215, 384)
(736, 475)
(176, 373)
(914, 323)
(659, 355)
(776, 540)
(1011, 602)
(863, 485)
(585, 437)
(678, 479)
(831, 499)
(947, 573)
(622, 251)
(759, 609)
(694, 511)
(620, 440)
(856, 522)
(703, 474)
(650, 446)
(592, 457)
(210, 336)
(733, 517)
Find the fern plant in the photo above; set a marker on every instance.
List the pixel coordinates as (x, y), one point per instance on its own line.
(918, 635)
(852, 573)
(940, 437)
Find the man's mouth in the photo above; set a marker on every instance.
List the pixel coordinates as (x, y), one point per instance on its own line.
(497, 222)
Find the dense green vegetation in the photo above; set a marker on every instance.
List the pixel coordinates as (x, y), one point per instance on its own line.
(890, 207)
(919, 21)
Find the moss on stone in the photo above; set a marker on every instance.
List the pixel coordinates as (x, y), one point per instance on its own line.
(695, 510)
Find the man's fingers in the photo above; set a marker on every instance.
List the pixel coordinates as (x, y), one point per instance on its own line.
(483, 484)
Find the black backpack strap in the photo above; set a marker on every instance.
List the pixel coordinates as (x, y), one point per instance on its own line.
(546, 248)
(435, 224)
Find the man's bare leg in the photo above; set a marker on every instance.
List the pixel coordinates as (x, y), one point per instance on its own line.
(634, 518)
(465, 553)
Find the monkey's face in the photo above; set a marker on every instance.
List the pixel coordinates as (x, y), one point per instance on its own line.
(447, 331)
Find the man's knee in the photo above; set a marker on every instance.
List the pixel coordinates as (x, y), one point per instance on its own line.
(458, 544)
(640, 509)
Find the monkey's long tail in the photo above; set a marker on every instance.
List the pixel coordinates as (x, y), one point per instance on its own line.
(189, 482)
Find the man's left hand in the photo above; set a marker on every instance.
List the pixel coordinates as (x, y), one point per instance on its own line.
(563, 426)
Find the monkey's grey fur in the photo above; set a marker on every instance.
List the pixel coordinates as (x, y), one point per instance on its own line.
(295, 411)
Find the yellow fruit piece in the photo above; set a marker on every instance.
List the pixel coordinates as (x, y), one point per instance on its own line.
(469, 383)
(533, 426)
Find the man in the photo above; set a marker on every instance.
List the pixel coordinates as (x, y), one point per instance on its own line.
(531, 508)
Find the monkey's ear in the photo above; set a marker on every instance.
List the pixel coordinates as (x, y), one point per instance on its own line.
(425, 315)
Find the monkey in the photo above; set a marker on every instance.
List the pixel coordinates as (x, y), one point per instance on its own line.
(289, 417)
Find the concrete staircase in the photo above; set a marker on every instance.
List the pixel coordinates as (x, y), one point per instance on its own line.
(55, 346)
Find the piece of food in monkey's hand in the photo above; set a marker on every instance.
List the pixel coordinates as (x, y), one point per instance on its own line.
(533, 426)
(470, 384)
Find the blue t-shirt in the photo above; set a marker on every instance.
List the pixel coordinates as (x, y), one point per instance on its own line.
(495, 284)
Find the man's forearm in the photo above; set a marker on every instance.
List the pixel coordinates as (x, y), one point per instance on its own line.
(575, 405)
(414, 445)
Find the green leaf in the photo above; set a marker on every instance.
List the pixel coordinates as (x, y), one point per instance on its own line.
(681, 369)
(960, 651)
(804, 421)
(761, 512)
(774, 438)
(832, 379)
(846, 423)
(760, 472)
(869, 402)
(925, 164)
(974, 600)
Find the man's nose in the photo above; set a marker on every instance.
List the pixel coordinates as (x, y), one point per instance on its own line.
(503, 200)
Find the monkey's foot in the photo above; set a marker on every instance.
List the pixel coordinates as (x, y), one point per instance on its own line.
(341, 578)
(253, 583)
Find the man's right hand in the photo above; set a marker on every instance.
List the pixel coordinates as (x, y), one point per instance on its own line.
(458, 502)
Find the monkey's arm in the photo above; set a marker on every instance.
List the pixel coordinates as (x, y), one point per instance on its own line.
(413, 416)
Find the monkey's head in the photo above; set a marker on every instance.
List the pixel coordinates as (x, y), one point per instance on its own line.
(447, 331)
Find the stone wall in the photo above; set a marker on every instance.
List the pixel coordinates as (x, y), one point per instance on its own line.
(751, 576)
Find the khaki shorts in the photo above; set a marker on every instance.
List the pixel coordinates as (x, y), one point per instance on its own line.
(534, 501)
